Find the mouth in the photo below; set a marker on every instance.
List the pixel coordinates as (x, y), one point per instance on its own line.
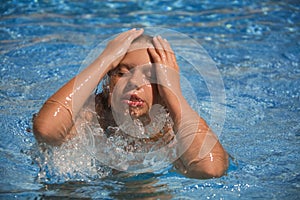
(134, 101)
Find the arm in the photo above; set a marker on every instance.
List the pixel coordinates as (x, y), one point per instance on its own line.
(54, 121)
(200, 153)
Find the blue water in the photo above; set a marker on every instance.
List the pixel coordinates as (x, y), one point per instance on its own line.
(255, 44)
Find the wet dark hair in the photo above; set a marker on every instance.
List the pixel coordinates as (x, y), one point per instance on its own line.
(143, 38)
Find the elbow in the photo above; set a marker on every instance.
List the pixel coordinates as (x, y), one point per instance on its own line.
(206, 172)
(52, 124)
(45, 132)
(206, 169)
(43, 135)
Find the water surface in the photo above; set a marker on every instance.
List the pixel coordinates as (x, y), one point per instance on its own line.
(254, 44)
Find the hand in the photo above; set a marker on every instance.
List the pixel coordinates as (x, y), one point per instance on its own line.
(117, 48)
(167, 69)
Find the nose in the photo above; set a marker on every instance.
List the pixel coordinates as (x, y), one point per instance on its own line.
(136, 80)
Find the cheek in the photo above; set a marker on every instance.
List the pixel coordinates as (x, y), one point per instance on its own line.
(113, 88)
(149, 93)
(113, 81)
(116, 83)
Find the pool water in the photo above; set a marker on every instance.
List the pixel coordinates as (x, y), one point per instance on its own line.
(255, 44)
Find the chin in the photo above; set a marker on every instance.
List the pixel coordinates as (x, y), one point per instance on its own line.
(137, 112)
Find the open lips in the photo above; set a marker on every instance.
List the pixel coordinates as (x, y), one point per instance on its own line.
(134, 101)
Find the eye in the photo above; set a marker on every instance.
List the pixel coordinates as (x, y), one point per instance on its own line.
(122, 72)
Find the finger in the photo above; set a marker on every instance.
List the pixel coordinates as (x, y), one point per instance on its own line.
(167, 49)
(164, 44)
(159, 47)
(130, 35)
(155, 58)
(134, 34)
(139, 32)
(167, 55)
(157, 44)
(125, 33)
(167, 46)
(170, 56)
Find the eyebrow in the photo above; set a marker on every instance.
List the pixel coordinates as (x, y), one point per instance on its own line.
(127, 65)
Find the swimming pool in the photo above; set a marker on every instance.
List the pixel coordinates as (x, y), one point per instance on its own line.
(255, 46)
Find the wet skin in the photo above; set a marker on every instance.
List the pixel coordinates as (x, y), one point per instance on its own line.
(133, 86)
(133, 90)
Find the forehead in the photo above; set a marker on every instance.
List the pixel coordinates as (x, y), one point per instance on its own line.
(136, 58)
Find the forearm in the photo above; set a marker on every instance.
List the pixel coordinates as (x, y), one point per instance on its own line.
(75, 92)
(55, 119)
(200, 152)
(61, 109)
(202, 155)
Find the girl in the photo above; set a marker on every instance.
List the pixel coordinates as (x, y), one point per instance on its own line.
(142, 72)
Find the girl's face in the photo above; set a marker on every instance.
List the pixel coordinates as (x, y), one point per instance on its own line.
(132, 85)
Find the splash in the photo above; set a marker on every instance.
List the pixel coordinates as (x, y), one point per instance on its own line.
(133, 147)
(95, 153)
